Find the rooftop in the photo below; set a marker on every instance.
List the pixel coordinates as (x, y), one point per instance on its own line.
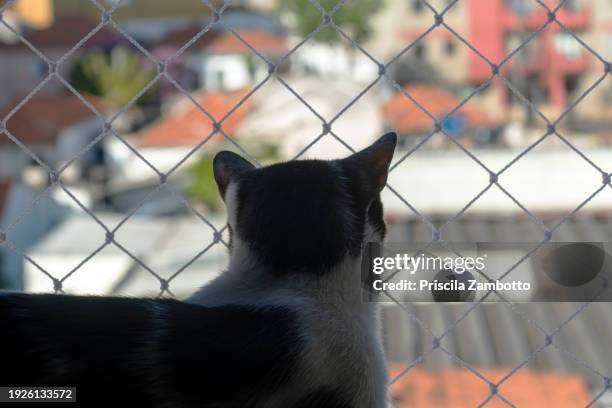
(495, 337)
(460, 388)
(278, 117)
(43, 117)
(163, 244)
(187, 125)
(225, 42)
(404, 116)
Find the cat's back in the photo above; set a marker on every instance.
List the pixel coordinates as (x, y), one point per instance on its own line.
(156, 352)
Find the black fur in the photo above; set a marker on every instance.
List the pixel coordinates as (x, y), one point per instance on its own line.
(226, 166)
(323, 398)
(150, 352)
(301, 216)
(289, 212)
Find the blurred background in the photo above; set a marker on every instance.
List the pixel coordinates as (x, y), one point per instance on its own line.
(111, 112)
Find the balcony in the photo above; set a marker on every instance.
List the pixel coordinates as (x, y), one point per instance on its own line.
(532, 18)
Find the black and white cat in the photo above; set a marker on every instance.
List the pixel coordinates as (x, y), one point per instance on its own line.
(285, 326)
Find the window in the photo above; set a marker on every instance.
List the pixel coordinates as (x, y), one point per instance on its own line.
(220, 79)
(521, 7)
(417, 6)
(450, 47)
(419, 51)
(566, 45)
(572, 6)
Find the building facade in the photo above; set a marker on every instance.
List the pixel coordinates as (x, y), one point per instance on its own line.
(552, 70)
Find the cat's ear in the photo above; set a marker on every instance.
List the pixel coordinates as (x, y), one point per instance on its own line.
(374, 161)
(226, 167)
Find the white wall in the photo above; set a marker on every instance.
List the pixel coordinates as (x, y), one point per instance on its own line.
(335, 61)
(227, 72)
(125, 166)
(544, 180)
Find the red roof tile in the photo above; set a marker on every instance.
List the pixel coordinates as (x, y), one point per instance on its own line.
(458, 388)
(188, 125)
(263, 42)
(43, 117)
(405, 116)
(228, 43)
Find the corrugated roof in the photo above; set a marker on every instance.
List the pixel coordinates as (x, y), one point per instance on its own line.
(494, 337)
(584, 227)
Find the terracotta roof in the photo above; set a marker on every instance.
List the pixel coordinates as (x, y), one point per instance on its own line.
(178, 38)
(67, 30)
(226, 42)
(403, 115)
(5, 186)
(43, 117)
(263, 42)
(187, 125)
(458, 388)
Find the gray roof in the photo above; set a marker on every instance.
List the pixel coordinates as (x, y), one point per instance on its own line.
(494, 335)
(515, 228)
(497, 335)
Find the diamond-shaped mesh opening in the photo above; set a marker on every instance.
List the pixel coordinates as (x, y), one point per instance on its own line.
(173, 257)
(51, 206)
(441, 157)
(55, 128)
(517, 181)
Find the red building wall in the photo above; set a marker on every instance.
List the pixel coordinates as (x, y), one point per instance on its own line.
(491, 20)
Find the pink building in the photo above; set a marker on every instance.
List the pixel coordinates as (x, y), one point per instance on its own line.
(553, 69)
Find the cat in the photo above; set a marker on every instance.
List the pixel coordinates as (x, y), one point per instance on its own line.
(286, 325)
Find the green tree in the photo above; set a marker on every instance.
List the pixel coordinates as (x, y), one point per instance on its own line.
(200, 183)
(117, 77)
(353, 17)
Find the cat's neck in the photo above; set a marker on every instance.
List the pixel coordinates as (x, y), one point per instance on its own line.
(247, 282)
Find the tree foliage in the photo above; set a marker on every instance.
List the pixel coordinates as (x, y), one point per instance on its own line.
(117, 77)
(353, 17)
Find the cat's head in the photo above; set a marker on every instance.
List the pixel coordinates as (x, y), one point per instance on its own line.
(308, 215)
